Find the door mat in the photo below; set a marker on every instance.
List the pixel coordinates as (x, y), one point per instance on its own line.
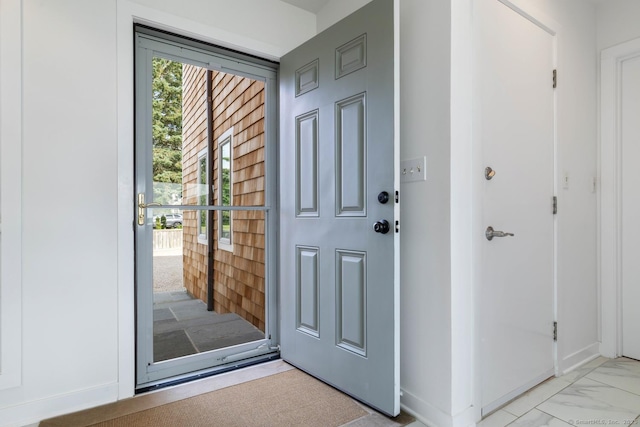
(290, 398)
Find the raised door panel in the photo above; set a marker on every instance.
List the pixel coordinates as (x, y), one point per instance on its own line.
(307, 291)
(307, 164)
(351, 156)
(351, 306)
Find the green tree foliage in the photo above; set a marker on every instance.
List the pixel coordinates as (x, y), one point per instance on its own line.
(225, 152)
(226, 187)
(167, 123)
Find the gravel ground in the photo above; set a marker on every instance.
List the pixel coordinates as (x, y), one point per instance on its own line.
(167, 273)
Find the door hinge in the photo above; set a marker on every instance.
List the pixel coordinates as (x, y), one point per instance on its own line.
(555, 331)
(555, 205)
(555, 78)
(397, 197)
(397, 226)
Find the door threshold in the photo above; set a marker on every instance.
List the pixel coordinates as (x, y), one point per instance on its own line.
(206, 373)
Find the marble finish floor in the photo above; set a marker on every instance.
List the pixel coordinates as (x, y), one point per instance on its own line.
(603, 392)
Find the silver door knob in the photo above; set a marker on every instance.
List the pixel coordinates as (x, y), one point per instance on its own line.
(490, 233)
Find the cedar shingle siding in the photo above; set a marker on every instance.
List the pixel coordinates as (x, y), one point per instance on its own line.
(238, 102)
(194, 140)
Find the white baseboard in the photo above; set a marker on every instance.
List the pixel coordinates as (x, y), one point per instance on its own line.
(432, 416)
(30, 413)
(580, 357)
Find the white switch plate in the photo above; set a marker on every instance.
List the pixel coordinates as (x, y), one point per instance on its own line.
(413, 170)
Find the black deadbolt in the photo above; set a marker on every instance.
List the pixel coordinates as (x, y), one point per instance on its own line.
(381, 226)
(383, 197)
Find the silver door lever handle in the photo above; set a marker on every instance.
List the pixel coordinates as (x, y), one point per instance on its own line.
(490, 233)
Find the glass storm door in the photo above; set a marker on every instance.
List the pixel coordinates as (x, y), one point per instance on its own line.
(205, 152)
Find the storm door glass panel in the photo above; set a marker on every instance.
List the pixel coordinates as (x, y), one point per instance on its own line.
(201, 282)
(171, 301)
(182, 278)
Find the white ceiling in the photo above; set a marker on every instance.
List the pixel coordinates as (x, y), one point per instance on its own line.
(312, 6)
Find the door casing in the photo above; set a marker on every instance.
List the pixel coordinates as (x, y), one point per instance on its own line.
(629, 133)
(610, 196)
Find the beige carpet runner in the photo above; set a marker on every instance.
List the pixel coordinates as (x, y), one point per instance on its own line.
(291, 398)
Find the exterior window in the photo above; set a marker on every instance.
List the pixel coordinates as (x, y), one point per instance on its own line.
(225, 177)
(203, 195)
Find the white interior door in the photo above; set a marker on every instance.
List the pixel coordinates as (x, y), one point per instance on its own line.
(515, 123)
(339, 288)
(630, 156)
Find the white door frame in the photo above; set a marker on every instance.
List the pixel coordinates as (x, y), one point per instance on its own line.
(610, 196)
(555, 29)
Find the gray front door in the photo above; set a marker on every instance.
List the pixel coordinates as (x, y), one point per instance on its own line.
(339, 289)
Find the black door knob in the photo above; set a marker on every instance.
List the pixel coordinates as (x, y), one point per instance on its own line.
(383, 197)
(381, 226)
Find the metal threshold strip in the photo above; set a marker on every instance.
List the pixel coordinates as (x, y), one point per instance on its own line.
(231, 365)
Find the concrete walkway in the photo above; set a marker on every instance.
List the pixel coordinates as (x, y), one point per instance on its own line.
(167, 272)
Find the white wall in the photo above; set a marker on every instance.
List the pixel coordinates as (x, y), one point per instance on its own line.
(77, 286)
(69, 312)
(617, 22)
(425, 214)
(335, 10)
